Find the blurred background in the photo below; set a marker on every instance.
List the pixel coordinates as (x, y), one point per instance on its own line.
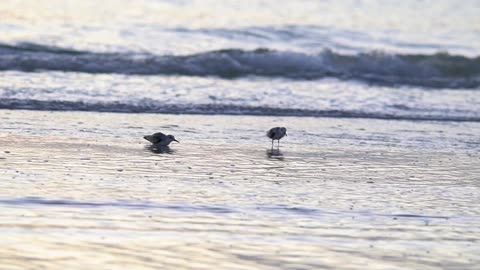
(377, 59)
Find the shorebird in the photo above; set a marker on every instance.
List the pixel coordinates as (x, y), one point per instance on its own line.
(277, 133)
(160, 139)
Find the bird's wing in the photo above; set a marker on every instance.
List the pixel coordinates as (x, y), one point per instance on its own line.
(155, 138)
(271, 133)
(158, 138)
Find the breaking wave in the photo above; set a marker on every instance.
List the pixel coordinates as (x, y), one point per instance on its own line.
(440, 70)
(225, 109)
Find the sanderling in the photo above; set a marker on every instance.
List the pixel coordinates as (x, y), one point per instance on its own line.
(277, 133)
(160, 139)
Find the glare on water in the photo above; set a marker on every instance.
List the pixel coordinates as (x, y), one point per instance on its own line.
(81, 195)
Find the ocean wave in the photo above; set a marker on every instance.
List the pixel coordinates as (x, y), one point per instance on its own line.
(225, 109)
(440, 70)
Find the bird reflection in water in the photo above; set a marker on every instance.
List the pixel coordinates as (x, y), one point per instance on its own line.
(274, 154)
(160, 149)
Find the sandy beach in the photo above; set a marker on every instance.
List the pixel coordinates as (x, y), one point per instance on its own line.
(83, 190)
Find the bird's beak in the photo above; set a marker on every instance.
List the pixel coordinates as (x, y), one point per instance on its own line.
(176, 140)
(286, 134)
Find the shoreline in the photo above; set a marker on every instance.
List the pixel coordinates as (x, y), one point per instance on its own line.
(243, 111)
(87, 185)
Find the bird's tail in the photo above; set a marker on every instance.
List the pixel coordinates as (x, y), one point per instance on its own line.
(148, 138)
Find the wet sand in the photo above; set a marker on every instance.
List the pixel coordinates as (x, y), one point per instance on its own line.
(84, 191)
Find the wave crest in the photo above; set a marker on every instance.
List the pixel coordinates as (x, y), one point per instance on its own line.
(440, 70)
(225, 109)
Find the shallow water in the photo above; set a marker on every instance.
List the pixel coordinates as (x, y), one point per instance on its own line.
(83, 190)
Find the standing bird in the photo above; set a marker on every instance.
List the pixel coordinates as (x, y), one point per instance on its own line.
(160, 139)
(277, 133)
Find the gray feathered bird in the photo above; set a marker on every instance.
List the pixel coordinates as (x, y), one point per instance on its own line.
(160, 139)
(277, 133)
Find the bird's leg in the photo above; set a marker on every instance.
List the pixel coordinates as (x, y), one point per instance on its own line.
(272, 143)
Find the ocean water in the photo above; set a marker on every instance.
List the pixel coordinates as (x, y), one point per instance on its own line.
(407, 60)
(381, 100)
